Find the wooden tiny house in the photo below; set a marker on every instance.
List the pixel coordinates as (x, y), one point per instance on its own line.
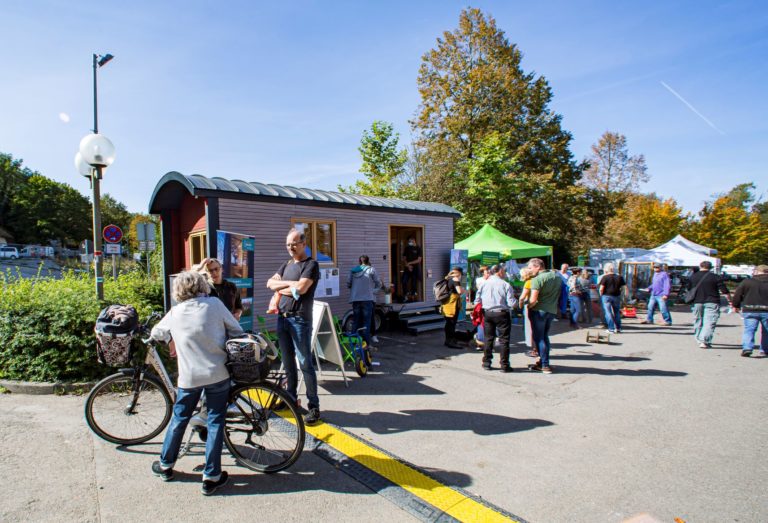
(339, 228)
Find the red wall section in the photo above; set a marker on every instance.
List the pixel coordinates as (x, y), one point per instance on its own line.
(190, 217)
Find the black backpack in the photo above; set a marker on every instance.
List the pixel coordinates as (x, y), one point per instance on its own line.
(442, 290)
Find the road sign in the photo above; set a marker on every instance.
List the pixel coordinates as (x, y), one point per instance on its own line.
(112, 248)
(142, 246)
(113, 234)
(151, 245)
(145, 231)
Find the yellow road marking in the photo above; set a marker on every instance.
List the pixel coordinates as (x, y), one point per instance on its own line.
(436, 494)
(440, 496)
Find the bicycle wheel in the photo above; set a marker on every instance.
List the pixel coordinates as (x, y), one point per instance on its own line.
(368, 358)
(124, 410)
(360, 367)
(266, 433)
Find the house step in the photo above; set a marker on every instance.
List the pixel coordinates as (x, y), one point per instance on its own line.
(411, 321)
(416, 309)
(425, 327)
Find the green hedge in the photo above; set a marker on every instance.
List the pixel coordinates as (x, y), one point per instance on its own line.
(46, 325)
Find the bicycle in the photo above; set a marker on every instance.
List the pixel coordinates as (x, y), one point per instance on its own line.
(264, 430)
(361, 353)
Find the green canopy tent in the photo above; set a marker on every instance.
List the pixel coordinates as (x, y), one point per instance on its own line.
(490, 239)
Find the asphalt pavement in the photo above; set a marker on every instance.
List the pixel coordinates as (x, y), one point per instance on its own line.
(650, 424)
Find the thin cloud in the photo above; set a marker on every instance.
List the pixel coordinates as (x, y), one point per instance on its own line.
(692, 108)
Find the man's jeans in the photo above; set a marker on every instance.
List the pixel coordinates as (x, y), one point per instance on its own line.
(612, 309)
(705, 316)
(575, 309)
(363, 310)
(295, 336)
(751, 322)
(655, 301)
(217, 397)
(540, 323)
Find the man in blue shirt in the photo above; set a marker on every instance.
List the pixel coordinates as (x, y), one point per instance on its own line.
(497, 300)
(659, 290)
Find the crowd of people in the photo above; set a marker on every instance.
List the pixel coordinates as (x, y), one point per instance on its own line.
(207, 309)
(549, 294)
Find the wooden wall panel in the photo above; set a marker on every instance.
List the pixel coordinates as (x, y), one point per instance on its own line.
(358, 231)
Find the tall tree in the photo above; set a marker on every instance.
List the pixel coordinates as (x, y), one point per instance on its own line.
(383, 163)
(115, 213)
(489, 144)
(730, 226)
(473, 84)
(13, 176)
(612, 170)
(47, 210)
(643, 220)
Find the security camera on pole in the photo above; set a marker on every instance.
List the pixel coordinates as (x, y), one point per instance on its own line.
(96, 153)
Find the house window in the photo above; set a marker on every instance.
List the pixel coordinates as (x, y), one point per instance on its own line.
(197, 247)
(321, 239)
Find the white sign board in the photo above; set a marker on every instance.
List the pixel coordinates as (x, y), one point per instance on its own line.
(325, 343)
(111, 248)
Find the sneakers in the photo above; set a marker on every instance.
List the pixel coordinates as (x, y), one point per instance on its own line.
(374, 339)
(645, 322)
(760, 354)
(486, 366)
(506, 369)
(609, 331)
(535, 367)
(532, 354)
(546, 370)
(746, 353)
(159, 471)
(209, 487)
(312, 417)
(703, 345)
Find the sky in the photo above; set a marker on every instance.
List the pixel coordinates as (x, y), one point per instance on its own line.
(281, 92)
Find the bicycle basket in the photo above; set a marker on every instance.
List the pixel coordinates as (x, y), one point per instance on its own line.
(248, 358)
(114, 349)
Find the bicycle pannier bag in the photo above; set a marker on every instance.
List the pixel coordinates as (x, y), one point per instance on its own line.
(441, 290)
(115, 328)
(249, 358)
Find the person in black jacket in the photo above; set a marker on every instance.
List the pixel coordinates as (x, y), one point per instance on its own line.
(751, 298)
(706, 303)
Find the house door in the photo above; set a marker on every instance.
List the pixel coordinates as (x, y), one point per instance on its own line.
(407, 262)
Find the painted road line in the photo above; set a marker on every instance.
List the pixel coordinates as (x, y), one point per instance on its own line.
(443, 503)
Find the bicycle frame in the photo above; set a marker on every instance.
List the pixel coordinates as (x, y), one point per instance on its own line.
(153, 360)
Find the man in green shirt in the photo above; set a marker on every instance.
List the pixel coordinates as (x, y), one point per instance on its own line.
(542, 309)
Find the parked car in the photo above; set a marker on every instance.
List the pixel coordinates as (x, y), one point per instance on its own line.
(9, 252)
(37, 251)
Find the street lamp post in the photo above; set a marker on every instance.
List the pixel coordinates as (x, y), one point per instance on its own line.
(96, 153)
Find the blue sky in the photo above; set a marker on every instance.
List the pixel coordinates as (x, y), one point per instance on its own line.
(280, 92)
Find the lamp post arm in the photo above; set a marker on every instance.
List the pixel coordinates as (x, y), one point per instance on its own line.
(95, 106)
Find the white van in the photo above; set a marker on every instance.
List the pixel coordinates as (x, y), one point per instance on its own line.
(9, 252)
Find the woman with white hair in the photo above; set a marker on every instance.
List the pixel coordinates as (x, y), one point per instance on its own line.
(197, 327)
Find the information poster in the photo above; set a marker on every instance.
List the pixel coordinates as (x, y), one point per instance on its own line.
(460, 258)
(328, 285)
(236, 253)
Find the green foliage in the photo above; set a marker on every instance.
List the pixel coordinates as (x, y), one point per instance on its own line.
(115, 213)
(383, 164)
(44, 209)
(12, 177)
(46, 325)
(730, 226)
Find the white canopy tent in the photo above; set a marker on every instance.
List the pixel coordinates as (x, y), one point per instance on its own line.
(678, 252)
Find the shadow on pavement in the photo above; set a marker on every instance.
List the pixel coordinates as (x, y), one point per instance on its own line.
(430, 419)
(394, 383)
(594, 356)
(562, 369)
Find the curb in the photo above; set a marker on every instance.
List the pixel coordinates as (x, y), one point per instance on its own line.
(38, 388)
